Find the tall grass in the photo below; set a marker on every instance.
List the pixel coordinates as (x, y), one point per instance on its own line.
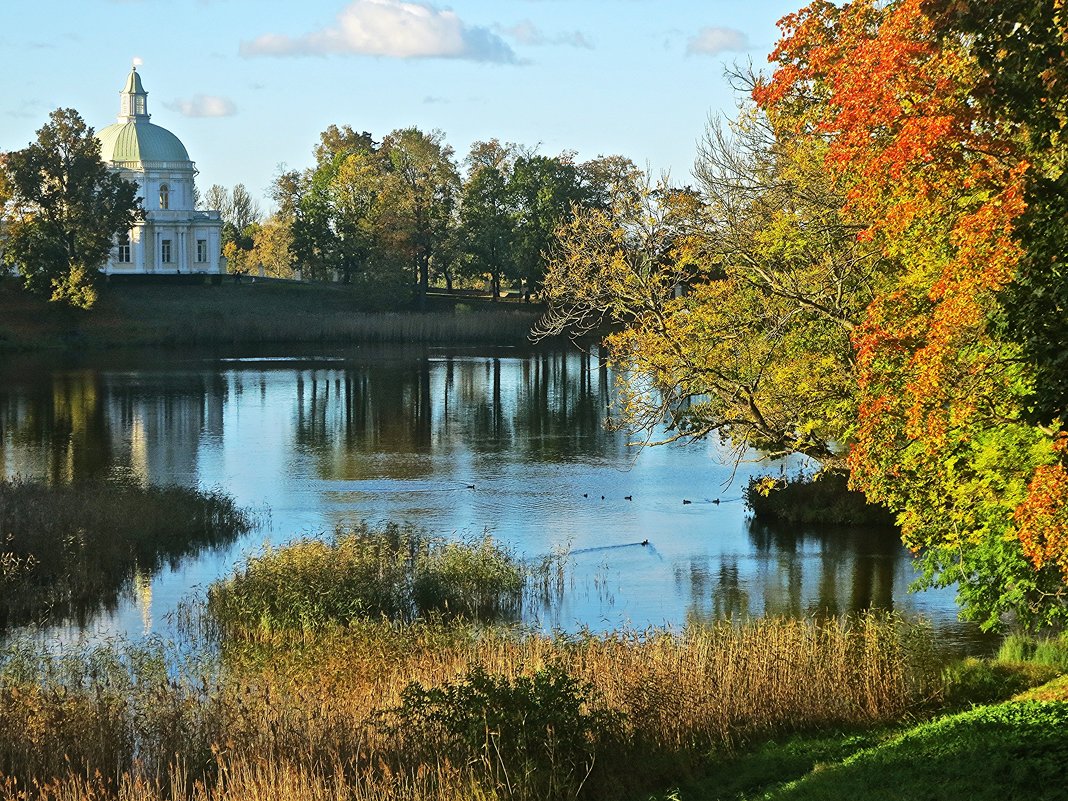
(246, 313)
(66, 549)
(398, 572)
(1051, 651)
(357, 711)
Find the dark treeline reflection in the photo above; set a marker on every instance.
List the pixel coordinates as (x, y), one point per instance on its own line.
(68, 422)
(544, 406)
(793, 571)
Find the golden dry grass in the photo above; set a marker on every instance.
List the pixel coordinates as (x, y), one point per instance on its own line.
(290, 718)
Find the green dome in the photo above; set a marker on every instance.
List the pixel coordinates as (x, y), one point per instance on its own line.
(140, 142)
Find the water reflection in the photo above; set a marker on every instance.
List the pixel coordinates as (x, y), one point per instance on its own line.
(457, 442)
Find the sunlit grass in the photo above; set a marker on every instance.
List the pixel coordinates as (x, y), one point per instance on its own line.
(359, 710)
(398, 572)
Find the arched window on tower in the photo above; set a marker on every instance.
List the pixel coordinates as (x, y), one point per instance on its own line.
(164, 196)
(140, 104)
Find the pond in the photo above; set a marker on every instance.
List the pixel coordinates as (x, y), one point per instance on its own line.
(459, 442)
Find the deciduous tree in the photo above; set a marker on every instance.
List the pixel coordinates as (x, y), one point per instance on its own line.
(942, 435)
(65, 210)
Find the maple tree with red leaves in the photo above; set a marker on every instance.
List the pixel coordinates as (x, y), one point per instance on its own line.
(943, 436)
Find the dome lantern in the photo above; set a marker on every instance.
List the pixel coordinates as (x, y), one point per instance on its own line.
(133, 106)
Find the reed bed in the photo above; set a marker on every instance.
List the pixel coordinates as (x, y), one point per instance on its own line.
(435, 328)
(435, 710)
(66, 549)
(398, 572)
(248, 313)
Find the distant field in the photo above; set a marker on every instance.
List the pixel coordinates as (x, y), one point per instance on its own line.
(267, 311)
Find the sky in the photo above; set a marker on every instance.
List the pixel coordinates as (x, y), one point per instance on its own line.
(248, 85)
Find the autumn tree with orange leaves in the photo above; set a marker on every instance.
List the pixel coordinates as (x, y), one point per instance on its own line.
(946, 434)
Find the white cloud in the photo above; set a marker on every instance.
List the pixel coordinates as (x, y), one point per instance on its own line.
(392, 28)
(714, 40)
(203, 106)
(527, 33)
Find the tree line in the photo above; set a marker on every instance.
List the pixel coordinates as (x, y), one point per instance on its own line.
(870, 272)
(396, 216)
(390, 217)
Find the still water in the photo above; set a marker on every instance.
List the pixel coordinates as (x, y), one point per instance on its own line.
(458, 442)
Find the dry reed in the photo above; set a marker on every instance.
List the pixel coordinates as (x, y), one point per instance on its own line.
(290, 718)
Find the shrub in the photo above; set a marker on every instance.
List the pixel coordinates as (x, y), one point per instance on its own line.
(821, 498)
(531, 737)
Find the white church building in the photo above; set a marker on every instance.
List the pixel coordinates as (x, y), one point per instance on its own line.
(174, 237)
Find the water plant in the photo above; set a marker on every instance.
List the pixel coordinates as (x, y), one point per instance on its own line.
(66, 549)
(397, 572)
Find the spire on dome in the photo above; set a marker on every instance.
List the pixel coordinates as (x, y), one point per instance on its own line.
(134, 99)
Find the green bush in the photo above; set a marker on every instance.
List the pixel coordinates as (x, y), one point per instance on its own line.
(531, 737)
(824, 498)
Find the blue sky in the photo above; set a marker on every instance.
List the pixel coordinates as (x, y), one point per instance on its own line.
(248, 85)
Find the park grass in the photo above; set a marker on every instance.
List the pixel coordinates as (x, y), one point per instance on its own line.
(1016, 750)
(265, 312)
(68, 549)
(983, 740)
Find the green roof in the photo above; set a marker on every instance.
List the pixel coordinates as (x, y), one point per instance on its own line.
(140, 141)
(133, 84)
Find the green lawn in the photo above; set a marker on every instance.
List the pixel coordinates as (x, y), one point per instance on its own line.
(1014, 750)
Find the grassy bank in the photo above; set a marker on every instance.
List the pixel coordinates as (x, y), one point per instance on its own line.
(248, 313)
(67, 550)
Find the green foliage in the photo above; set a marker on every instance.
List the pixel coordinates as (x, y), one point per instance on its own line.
(823, 498)
(532, 737)
(397, 573)
(65, 208)
(487, 222)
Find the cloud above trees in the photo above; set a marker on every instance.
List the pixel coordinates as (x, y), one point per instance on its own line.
(203, 106)
(714, 40)
(390, 28)
(527, 33)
